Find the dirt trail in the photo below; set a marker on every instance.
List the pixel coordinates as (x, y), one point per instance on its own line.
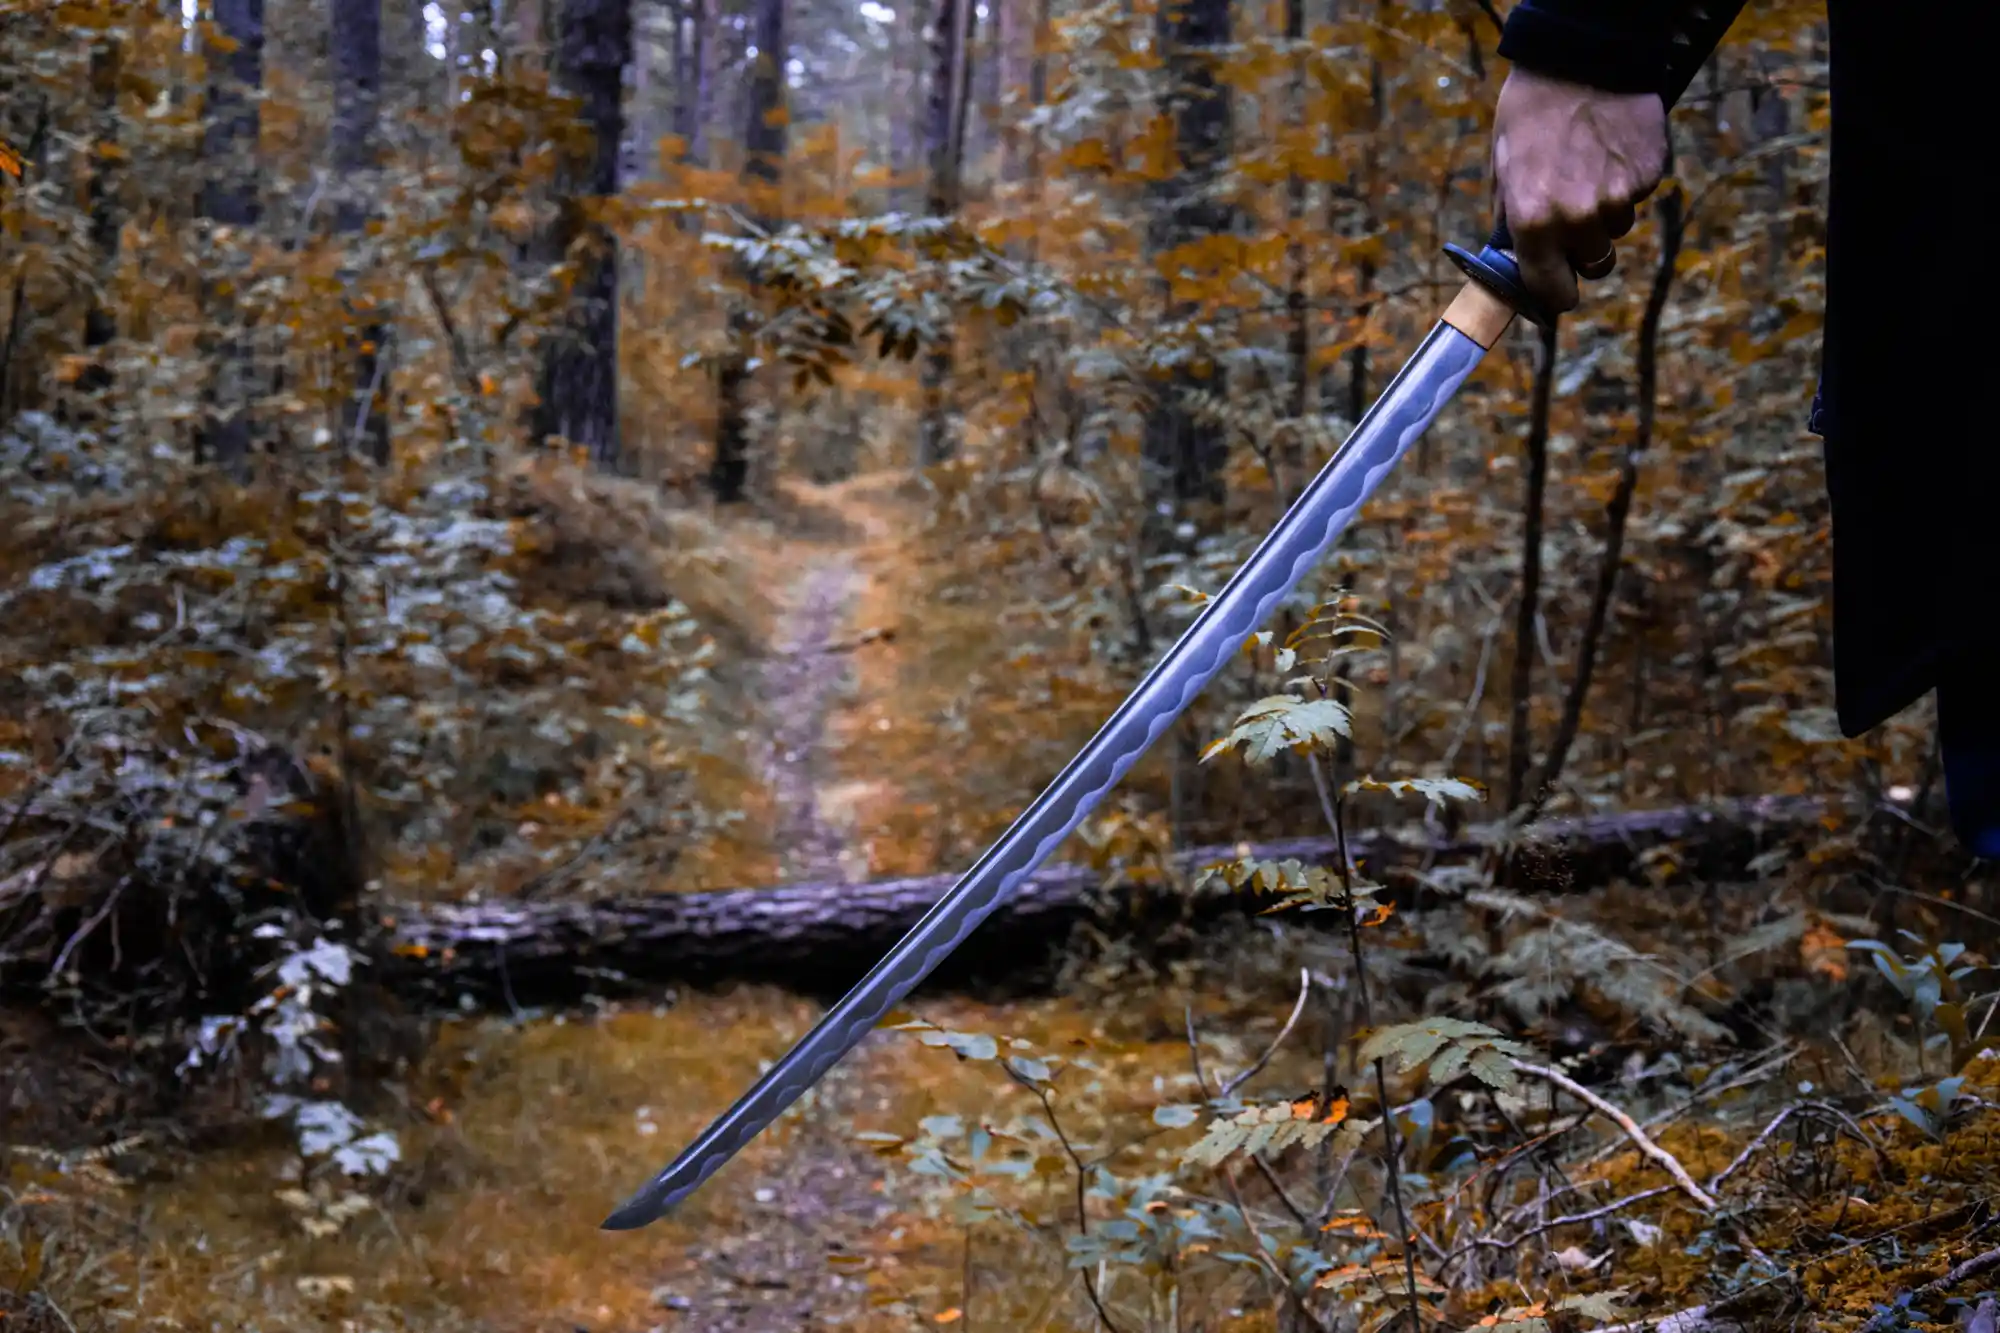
(823, 1194)
(802, 684)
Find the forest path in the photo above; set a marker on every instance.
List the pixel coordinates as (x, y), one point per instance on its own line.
(829, 690)
(775, 1268)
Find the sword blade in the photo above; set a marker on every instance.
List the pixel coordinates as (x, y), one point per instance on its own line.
(1379, 440)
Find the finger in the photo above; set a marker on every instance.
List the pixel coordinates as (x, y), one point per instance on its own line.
(1546, 271)
(1587, 246)
(1597, 269)
(1618, 220)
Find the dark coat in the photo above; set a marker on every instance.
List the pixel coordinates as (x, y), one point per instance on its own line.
(1912, 462)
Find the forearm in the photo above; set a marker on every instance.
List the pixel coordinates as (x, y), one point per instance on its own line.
(1614, 46)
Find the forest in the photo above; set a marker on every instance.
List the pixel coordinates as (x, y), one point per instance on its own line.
(540, 536)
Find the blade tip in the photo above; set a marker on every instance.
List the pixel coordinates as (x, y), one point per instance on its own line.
(627, 1218)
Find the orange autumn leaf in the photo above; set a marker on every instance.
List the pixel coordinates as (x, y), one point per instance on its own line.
(1824, 952)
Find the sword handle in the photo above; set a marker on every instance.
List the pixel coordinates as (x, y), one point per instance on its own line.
(1495, 269)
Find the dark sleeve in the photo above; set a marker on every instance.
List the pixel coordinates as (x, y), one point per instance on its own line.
(1615, 46)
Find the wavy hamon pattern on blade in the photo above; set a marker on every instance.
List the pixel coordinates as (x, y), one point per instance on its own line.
(1379, 441)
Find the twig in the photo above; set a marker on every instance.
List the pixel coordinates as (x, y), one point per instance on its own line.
(1473, 700)
(367, 408)
(1270, 1265)
(879, 634)
(43, 781)
(1551, 1224)
(1201, 1080)
(1640, 1140)
(1305, 991)
(1698, 1319)
(1833, 1113)
(89, 927)
(461, 359)
(1673, 221)
(1392, 1139)
(1082, 1213)
(1757, 1074)
(1965, 1272)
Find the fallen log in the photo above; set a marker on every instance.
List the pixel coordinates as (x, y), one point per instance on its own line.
(817, 939)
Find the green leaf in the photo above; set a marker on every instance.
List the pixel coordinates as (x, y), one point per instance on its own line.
(1029, 1068)
(1295, 882)
(1915, 1114)
(1599, 1305)
(1437, 791)
(1281, 722)
(967, 1045)
(1455, 1045)
(1268, 1129)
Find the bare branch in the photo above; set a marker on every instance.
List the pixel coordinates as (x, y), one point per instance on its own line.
(1665, 1160)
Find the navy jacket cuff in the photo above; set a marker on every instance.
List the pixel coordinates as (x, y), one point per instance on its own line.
(1614, 46)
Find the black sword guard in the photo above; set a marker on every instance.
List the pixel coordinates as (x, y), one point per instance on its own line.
(1494, 269)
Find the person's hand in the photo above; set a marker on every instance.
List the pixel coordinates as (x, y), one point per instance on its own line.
(1572, 163)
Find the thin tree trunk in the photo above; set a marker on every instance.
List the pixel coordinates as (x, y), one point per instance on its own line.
(1038, 84)
(1017, 38)
(355, 36)
(578, 386)
(763, 166)
(1184, 455)
(229, 200)
(945, 146)
(1358, 367)
(100, 320)
(1520, 737)
(906, 79)
(1669, 209)
(694, 81)
(1770, 118)
(1298, 297)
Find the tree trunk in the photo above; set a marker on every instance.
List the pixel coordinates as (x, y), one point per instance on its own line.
(1298, 296)
(578, 384)
(763, 165)
(100, 319)
(1018, 38)
(1520, 728)
(354, 29)
(944, 145)
(229, 199)
(693, 78)
(1184, 455)
(906, 82)
(820, 938)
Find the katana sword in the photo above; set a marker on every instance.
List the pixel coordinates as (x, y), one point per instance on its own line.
(1492, 297)
(1471, 324)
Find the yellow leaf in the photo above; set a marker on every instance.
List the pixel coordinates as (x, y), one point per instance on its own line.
(951, 1316)
(69, 369)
